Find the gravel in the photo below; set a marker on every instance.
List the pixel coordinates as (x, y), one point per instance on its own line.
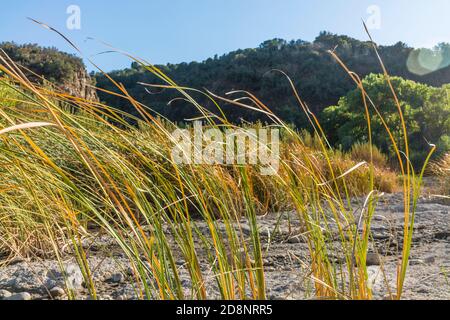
(23, 296)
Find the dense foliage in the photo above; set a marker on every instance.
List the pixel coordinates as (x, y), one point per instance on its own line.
(426, 112)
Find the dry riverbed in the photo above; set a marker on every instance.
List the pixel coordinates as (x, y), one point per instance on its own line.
(285, 260)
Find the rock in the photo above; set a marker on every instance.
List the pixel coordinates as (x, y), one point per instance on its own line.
(5, 294)
(429, 259)
(295, 239)
(17, 260)
(80, 86)
(264, 233)
(422, 290)
(71, 278)
(373, 259)
(268, 262)
(23, 296)
(57, 292)
(442, 235)
(22, 278)
(74, 277)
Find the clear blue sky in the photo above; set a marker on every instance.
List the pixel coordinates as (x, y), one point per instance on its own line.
(181, 30)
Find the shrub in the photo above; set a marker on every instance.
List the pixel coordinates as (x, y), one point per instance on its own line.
(426, 114)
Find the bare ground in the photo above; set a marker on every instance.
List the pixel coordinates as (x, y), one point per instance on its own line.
(285, 260)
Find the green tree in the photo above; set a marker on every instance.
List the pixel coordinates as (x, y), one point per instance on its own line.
(426, 113)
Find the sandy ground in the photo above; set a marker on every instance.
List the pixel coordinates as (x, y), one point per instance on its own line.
(285, 260)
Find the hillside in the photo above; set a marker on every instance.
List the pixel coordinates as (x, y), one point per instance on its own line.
(320, 80)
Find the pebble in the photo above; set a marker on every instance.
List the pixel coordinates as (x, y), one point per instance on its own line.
(296, 239)
(422, 261)
(57, 292)
(23, 296)
(5, 294)
(373, 259)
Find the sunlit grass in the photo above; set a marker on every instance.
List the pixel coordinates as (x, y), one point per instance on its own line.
(441, 169)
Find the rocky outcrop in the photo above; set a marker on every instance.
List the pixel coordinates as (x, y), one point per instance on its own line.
(80, 86)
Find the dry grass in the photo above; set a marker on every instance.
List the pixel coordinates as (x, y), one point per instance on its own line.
(441, 169)
(368, 153)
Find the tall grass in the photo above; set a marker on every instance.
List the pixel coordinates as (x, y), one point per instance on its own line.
(70, 167)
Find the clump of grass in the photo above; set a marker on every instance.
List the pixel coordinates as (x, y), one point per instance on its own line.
(368, 153)
(91, 169)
